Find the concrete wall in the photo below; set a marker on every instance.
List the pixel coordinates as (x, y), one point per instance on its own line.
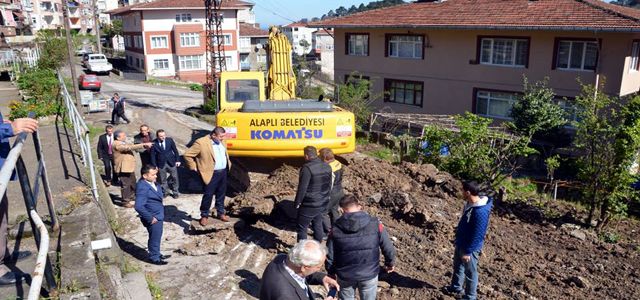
(450, 73)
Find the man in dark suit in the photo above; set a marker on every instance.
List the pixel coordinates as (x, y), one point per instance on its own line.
(165, 156)
(149, 207)
(118, 110)
(287, 277)
(105, 153)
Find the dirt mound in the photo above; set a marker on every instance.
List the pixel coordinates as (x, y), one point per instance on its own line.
(260, 198)
(525, 256)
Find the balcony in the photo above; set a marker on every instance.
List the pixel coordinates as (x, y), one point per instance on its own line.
(8, 31)
(245, 66)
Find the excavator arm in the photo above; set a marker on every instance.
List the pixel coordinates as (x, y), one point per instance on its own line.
(281, 80)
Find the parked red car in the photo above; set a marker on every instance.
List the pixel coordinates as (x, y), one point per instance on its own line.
(89, 82)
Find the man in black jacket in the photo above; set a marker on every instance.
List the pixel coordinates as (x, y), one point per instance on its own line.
(118, 110)
(165, 156)
(144, 136)
(312, 196)
(354, 246)
(287, 277)
(105, 153)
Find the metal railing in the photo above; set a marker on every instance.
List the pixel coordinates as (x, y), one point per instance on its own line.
(81, 133)
(43, 269)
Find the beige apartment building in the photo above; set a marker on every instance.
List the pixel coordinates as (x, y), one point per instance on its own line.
(448, 57)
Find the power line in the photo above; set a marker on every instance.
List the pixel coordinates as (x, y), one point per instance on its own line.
(275, 13)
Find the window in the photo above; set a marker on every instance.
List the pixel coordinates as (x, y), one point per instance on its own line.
(357, 44)
(161, 64)
(190, 39)
(635, 54)
(245, 42)
(262, 59)
(240, 90)
(495, 104)
(576, 55)
(227, 61)
(159, 42)
(295, 29)
(403, 92)
(504, 52)
(190, 62)
(138, 62)
(405, 46)
(226, 39)
(183, 17)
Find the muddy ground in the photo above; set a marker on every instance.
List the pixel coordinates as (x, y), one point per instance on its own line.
(526, 255)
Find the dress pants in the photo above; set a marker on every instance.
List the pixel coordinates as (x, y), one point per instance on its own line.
(145, 158)
(313, 215)
(109, 174)
(155, 236)
(170, 183)
(217, 186)
(128, 186)
(115, 117)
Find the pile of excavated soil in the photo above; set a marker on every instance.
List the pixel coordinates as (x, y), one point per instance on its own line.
(523, 257)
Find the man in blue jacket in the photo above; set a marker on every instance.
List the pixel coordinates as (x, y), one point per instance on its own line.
(165, 156)
(354, 245)
(469, 239)
(7, 130)
(149, 207)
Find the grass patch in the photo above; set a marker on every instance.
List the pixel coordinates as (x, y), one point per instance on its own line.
(21, 218)
(129, 267)
(154, 287)
(94, 131)
(116, 226)
(74, 198)
(191, 86)
(609, 237)
(519, 189)
(363, 141)
(384, 154)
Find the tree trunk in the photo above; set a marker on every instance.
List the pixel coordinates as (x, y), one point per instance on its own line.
(592, 205)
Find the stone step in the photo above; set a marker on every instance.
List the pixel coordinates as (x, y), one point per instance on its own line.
(135, 287)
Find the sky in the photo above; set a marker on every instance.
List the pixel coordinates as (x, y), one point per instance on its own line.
(282, 12)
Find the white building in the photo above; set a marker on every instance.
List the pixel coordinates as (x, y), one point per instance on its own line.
(322, 45)
(165, 38)
(300, 36)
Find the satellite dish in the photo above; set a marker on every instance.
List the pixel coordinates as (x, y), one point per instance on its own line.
(259, 46)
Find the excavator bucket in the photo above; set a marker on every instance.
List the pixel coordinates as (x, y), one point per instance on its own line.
(281, 78)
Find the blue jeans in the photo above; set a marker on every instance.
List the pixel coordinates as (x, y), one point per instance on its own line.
(465, 274)
(368, 289)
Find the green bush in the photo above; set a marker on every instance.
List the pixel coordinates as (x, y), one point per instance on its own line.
(196, 87)
(41, 89)
(211, 106)
(610, 237)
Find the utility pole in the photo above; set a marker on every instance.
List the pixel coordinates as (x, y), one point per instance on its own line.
(96, 25)
(72, 67)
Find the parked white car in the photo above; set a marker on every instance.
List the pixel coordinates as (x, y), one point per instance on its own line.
(98, 63)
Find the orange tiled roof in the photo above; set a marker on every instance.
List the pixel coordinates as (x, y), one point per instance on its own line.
(296, 24)
(250, 30)
(496, 14)
(181, 4)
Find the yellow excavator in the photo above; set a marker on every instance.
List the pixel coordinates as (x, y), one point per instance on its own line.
(268, 121)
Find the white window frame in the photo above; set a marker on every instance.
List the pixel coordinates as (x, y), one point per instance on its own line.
(570, 55)
(228, 61)
(184, 60)
(158, 44)
(509, 59)
(634, 62)
(193, 39)
(245, 42)
(163, 62)
(495, 96)
(184, 18)
(353, 40)
(396, 40)
(226, 37)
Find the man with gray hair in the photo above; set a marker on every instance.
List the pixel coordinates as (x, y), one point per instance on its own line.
(287, 277)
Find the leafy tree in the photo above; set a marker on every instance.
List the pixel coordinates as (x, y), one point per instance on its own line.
(361, 7)
(53, 50)
(315, 19)
(474, 150)
(341, 11)
(331, 14)
(352, 9)
(608, 140)
(536, 110)
(113, 29)
(355, 96)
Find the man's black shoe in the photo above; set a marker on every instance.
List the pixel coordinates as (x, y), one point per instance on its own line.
(165, 256)
(158, 262)
(175, 195)
(10, 278)
(447, 290)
